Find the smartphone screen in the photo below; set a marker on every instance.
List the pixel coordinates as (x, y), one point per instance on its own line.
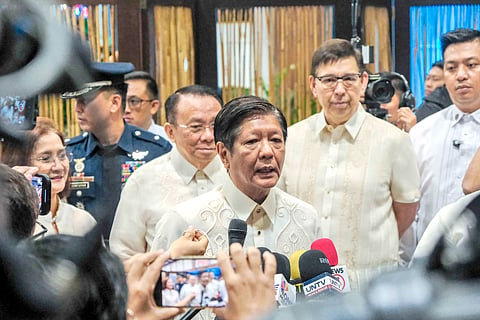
(193, 282)
(42, 186)
(19, 112)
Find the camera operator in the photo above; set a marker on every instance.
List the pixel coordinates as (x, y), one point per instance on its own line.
(401, 106)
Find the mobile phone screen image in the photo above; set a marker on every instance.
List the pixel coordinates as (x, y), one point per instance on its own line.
(42, 186)
(19, 112)
(193, 282)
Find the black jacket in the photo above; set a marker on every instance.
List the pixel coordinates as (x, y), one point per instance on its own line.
(437, 100)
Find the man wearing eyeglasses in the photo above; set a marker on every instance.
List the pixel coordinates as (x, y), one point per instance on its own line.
(109, 150)
(192, 168)
(358, 171)
(142, 102)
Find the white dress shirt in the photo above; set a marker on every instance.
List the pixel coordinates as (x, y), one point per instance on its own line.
(444, 143)
(283, 223)
(69, 219)
(150, 191)
(352, 174)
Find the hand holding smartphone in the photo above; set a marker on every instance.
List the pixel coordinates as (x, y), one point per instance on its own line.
(203, 285)
(42, 185)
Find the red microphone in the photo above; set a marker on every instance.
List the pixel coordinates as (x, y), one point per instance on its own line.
(339, 271)
(326, 246)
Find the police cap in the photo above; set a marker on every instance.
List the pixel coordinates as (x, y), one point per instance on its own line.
(105, 74)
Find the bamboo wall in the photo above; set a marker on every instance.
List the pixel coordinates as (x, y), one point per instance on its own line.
(175, 57)
(292, 34)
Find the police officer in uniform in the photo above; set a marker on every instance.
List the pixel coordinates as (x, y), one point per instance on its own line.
(109, 150)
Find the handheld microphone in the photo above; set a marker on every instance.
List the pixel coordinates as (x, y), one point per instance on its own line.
(262, 250)
(295, 271)
(316, 275)
(339, 271)
(237, 231)
(326, 246)
(285, 293)
(457, 143)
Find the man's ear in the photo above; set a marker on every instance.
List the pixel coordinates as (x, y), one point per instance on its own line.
(170, 131)
(115, 103)
(311, 79)
(154, 107)
(224, 155)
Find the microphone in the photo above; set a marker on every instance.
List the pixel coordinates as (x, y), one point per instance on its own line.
(285, 293)
(295, 271)
(262, 250)
(457, 143)
(316, 275)
(326, 246)
(339, 271)
(237, 231)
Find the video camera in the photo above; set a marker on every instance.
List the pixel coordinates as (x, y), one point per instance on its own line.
(379, 90)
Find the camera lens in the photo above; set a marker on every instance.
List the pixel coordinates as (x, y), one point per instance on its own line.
(382, 91)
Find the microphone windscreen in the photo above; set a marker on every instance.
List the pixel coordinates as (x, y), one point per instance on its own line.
(237, 230)
(326, 246)
(295, 272)
(283, 265)
(313, 263)
(262, 250)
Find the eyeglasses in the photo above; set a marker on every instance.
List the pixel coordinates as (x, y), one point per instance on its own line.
(329, 81)
(41, 233)
(135, 102)
(196, 128)
(48, 158)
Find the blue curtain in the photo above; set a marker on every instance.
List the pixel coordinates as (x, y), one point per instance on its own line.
(427, 24)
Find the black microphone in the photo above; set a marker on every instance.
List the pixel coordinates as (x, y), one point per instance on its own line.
(316, 274)
(237, 231)
(262, 250)
(283, 265)
(457, 143)
(285, 292)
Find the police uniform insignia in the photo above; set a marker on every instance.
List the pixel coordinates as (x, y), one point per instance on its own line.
(129, 167)
(139, 155)
(79, 165)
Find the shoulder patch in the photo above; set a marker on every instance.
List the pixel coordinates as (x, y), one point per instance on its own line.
(76, 139)
(150, 137)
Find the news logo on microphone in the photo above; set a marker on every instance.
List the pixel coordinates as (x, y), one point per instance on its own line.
(324, 283)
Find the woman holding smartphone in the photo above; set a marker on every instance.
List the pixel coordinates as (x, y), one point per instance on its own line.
(45, 150)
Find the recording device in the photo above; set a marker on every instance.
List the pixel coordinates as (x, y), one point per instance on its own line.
(457, 143)
(326, 246)
(340, 272)
(237, 231)
(285, 293)
(295, 271)
(316, 275)
(207, 292)
(19, 113)
(42, 185)
(379, 90)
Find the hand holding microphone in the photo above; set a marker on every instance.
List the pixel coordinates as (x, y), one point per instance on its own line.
(249, 288)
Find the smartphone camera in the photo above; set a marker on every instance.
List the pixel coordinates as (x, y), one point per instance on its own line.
(193, 282)
(42, 185)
